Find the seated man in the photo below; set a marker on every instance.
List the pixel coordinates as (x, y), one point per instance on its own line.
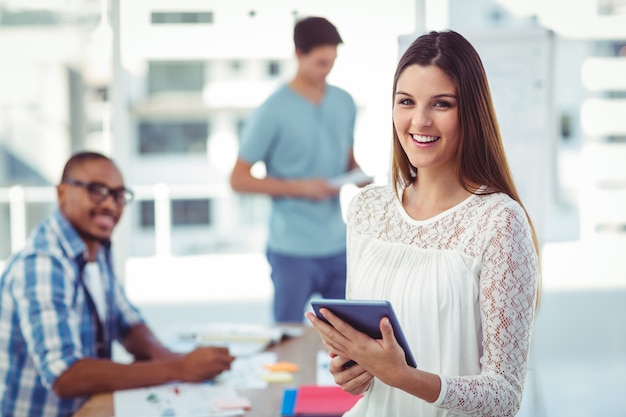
(61, 307)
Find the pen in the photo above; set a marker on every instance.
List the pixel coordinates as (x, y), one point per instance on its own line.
(348, 364)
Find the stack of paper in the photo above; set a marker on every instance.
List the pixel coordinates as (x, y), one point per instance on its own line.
(241, 339)
(317, 401)
(322, 374)
(356, 176)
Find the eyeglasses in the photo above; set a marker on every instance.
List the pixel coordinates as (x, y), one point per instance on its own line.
(98, 192)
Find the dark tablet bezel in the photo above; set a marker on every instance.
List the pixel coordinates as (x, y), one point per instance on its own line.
(365, 316)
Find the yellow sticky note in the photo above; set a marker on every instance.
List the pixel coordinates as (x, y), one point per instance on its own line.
(277, 376)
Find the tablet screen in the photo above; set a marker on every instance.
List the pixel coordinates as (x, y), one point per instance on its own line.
(365, 316)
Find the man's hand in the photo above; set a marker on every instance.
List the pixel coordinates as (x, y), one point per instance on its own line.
(205, 363)
(315, 188)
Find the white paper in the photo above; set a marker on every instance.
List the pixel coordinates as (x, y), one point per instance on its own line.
(240, 339)
(247, 372)
(323, 375)
(356, 176)
(174, 400)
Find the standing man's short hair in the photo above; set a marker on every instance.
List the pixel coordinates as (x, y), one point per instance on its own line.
(311, 32)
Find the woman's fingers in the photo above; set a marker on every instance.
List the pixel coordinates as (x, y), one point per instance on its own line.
(332, 338)
(354, 379)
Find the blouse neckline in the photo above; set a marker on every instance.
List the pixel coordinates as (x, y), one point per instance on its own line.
(407, 217)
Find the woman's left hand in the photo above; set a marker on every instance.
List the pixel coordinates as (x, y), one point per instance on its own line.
(383, 358)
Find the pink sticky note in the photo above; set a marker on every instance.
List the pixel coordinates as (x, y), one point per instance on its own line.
(230, 403)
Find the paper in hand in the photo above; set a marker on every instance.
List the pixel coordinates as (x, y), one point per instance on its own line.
(356, 176)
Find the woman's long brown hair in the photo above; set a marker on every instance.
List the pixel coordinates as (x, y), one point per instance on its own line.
(480, 157)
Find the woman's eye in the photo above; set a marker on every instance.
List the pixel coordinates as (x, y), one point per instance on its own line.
(405, 102)
(442, 104)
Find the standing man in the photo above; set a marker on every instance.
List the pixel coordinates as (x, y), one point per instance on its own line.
(61, 307)
(304, 133)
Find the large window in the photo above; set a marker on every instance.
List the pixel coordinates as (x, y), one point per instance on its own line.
(186, 18)
(196, 212)
(273, 69)
(173, 137)
(10, 17)
(175, 76)
(240, 124)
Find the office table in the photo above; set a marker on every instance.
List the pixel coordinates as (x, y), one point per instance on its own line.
(301, 350)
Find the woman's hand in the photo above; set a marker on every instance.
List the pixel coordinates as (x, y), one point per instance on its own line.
(382, 358)
(351, 376)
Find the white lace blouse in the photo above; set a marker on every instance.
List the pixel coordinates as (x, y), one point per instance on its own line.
(463, 285)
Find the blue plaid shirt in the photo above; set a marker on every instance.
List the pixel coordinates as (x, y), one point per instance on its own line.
(46, 321)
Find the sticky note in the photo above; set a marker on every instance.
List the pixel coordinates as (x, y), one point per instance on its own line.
(233, 403)
(282, 367)
(277, 376)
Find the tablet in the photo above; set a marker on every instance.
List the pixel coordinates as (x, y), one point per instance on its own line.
(365, 316)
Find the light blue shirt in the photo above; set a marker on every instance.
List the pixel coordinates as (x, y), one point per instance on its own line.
(297, 139)
(46, 322)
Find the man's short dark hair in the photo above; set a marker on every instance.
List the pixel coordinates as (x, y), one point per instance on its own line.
(78, 159)
(311, 32)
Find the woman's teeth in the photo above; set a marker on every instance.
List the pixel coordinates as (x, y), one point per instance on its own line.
(425, 139)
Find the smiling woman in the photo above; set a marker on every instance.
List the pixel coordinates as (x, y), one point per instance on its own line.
(425, 115)
(448, 243)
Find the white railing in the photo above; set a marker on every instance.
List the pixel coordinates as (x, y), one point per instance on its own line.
(164, 278)
(18, 198)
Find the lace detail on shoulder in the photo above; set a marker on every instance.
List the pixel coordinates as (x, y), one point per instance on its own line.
(494, 231)
(377, 213)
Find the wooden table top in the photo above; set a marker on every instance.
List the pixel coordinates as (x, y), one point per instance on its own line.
(301, 350)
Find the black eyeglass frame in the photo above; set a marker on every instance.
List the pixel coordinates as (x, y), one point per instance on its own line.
(99, 192)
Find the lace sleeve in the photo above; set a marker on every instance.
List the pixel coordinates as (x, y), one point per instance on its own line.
(508, 285)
